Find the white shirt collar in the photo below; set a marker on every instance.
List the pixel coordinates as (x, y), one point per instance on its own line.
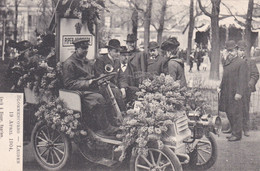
(110, 57)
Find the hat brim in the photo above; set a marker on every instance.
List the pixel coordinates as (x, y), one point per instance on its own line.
(114, 47)
(155, 47)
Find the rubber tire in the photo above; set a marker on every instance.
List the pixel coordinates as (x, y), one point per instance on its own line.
(68, 149)
(210, 162)
(168, 152)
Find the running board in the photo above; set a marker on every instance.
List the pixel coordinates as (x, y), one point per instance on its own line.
(106, 162)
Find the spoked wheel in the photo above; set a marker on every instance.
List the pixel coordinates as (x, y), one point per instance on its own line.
(51, 148)
(156, 160)
(205, 153)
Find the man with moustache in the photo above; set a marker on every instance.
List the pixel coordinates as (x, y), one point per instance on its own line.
(78, 75)
(233, 89)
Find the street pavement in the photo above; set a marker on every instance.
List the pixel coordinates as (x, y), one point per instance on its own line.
(241, 155)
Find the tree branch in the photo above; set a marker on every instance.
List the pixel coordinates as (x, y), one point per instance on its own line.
(154, 26)
(204, 10)
(136, 6)
(230, 12)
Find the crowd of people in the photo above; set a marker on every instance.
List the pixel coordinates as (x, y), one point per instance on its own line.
(131, 66)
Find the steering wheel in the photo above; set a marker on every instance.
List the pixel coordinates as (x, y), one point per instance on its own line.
(112, 74)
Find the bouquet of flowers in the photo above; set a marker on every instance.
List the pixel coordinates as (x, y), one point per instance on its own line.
(160, 101)
(43, 80)
(61, 118)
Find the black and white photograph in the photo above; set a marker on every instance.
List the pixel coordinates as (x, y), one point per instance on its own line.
(129, 85)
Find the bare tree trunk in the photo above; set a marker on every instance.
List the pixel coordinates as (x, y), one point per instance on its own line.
(215, 49)
(248, 27)
(190, 33)
(135, 22)
(215, 44)
(16, 20)
(147, 22)
(161, 22)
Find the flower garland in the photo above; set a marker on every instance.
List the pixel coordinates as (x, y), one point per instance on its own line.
(86, 10)
(161, 101)
(61, 118)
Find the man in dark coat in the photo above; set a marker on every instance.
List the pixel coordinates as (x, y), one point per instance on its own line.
(154, 59)
(253, 76)
(78, 75)
(112, 61)
(129, 70)
(233, 90)
(173, 64)
(136, 57)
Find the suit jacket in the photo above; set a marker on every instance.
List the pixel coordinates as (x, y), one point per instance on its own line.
(99, 68)
(139, 61)
(130, 75)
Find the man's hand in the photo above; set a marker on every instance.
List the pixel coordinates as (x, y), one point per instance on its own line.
(123, 92)
(238, 97)
(218, 89)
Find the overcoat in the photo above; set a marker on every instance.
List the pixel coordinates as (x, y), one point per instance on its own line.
(234, 81)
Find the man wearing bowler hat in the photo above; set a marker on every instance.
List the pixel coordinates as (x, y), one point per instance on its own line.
(136, 58)
(253, 76)
(78, 75)
(233, 90)
(119, 83)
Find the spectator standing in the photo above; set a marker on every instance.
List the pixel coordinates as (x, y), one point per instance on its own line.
(154, 59)
(253, 76)
(233, 90)
(173, 64)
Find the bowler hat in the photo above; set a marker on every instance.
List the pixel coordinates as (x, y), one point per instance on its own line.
(170, 43)
(230, 45)
(241, 44)
(131, 38)
(114, 44)
(153, 45)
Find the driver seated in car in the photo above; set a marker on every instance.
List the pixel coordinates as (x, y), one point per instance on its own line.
(78, 75)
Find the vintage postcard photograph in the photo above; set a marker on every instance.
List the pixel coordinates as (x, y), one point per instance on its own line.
(129, 85)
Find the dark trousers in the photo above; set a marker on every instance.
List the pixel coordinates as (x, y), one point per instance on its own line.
(235, 117)
(246, 118)
(111, 113)
(94, 110)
